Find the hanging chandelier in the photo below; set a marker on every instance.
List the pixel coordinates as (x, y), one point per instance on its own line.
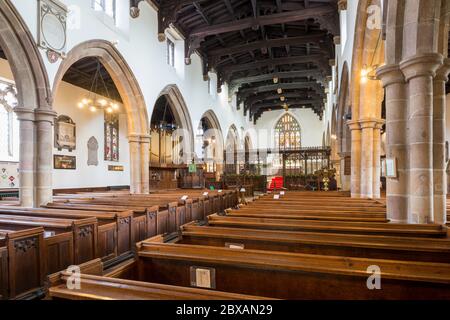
(94, 102)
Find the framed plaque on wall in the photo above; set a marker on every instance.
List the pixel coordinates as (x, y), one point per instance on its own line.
(64, 162)
(53, 26)
(65, 133)
(391, 168)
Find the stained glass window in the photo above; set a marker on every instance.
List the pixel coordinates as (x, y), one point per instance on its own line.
(111, 137)
(287, 133)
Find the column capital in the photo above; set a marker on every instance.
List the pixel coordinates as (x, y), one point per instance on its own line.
(421, 65)
(45, 115)
(354, 125)
(24, 114)
(145, 138)
(137, 137)
(134, 137)
(390, 74)
(371, 123)
(443, 71)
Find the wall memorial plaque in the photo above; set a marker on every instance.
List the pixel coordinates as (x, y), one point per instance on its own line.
(65, 133)
(347, 166)
(92, 152)
(53, 26)
(64, 162)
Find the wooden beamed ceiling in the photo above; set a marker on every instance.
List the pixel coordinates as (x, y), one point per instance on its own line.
(259, 47)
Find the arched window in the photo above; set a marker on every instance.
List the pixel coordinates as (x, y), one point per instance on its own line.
(287, 133)
(8, 100)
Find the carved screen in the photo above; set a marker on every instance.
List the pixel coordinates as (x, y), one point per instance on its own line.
(111, 137)
(287, 133)
(8, 100)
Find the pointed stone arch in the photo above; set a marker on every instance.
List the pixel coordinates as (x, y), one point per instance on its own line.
(366, 96)
(180, 110)
(217, 134)
(34, 110)
(133, 100)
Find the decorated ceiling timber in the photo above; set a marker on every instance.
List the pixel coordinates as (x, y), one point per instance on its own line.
(273, 53)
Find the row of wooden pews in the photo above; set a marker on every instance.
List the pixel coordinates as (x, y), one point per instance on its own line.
(78, 228)
(283, 249)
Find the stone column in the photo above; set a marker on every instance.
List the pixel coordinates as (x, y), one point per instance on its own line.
(367, 163)
(396, 141)
(135, 163)
(355, 187)
(25, 117)
(439, 126)
(419, 72)
(345, 179)
(145, 164)
(377, 159)
(44, 155)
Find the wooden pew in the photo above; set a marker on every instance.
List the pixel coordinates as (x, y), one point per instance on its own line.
(105, 288)
(114, 232)
(290, 275)
(98, 284)
(67, 241)
(144, 218)
(349, 245)
(281, 205)
(170, 216)
(23, 264)
(278, 213)
(368, 228)
(158, 220)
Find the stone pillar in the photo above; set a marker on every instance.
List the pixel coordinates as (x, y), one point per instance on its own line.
(135, 163)
(419, 72)
(44, 156)
(345, 179)
(356, 159)
(145, 164)
(25, 117)
(396, 141)
(367, 163)
(439, 163)
(377, 160)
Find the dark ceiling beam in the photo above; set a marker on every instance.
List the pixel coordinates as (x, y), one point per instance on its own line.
(288, 95)
(251, 102)
(315, 102)
(278, 18)
(167, 14)
(270, 43)
(318, 59)
(314, 73)
(284, 86)
(255, 117)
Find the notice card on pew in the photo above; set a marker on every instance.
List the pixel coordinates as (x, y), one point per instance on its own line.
(243, 190)
(203, 277)
(184, 197)
(276, 196)
(219, 191)
(239, 246)
(205, 193)
(281, 193)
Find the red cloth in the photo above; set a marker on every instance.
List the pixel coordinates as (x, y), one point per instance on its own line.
(276, 183)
